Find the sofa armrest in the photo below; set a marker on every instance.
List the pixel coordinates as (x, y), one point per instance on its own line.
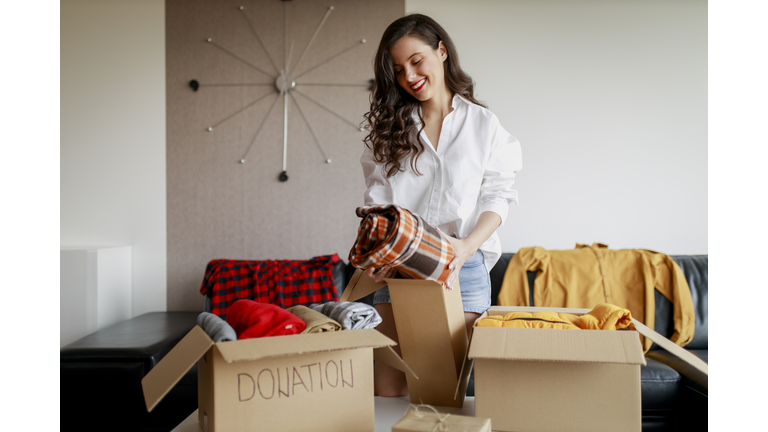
(100, 375)
(146, 338)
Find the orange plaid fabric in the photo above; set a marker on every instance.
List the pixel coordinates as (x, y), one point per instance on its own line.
(392, 236)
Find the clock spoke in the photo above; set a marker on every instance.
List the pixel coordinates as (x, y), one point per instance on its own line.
(210, 129)
(236, 85)
(259, 39)
(330, 9)
(259, 129)
(239, 58)
(357, 127)
(333, 85)
(362, 41)
(298, 108)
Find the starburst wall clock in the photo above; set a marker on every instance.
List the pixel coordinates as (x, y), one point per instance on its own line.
(286, 83)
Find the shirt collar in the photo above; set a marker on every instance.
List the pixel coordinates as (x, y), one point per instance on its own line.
(456, 97)
(454, 104)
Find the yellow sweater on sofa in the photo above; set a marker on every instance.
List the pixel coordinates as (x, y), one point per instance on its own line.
(590, 275)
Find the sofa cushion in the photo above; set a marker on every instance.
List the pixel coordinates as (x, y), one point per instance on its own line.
(659, 390)
(659, 386)
(691, 377)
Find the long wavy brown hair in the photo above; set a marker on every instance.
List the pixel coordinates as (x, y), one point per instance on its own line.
(390, 121)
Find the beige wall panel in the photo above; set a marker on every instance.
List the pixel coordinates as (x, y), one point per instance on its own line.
(219, 208)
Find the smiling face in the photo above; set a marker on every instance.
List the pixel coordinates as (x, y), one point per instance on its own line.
(419, 68)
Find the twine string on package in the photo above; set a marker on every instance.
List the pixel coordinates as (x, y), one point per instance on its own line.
(439, 426)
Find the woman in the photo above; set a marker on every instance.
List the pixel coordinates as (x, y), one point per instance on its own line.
(435, 150)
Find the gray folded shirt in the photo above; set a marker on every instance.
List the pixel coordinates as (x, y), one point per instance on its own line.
(216, 328)
(351, 315)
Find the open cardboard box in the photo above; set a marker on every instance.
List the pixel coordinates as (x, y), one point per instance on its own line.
(432, 335)
(317, 382)
(555, 380)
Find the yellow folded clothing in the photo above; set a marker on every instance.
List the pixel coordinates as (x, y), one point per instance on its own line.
(316, 322)
(601, 317)
(606, 317)
(548, 320)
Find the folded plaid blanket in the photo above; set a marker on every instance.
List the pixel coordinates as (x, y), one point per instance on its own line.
(351, 315)
(390, 235)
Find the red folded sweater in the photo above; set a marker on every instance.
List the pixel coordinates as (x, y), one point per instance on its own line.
(251, 319)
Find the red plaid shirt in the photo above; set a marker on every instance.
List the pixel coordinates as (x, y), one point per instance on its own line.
(283, 283)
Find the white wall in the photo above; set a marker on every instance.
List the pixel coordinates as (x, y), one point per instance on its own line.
(609, 101)
(113, 135)
(77, 299)
(95, 290)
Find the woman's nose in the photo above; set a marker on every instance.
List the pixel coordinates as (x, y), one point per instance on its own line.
(410, 74)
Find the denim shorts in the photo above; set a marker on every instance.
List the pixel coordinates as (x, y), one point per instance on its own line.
(474, 281)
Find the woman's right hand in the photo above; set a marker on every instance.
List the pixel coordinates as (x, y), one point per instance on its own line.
(379, 274)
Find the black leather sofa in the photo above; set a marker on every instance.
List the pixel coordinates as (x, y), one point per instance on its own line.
(101, 373)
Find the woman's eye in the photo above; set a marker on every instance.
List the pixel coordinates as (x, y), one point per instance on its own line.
(398, 72)
(417, 62)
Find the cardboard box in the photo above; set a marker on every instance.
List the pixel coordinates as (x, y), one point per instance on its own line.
(318, 382)
(554, 380)
(432, 335)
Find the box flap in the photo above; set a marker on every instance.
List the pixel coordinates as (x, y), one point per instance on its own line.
(463, 382)
(359, 286)
(389, 357)
(672, 347)
(164, 376)
(467, 365)
(279, 346)
(592, 346)
(434, 343)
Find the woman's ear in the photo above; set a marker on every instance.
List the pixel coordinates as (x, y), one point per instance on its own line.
(442, 51)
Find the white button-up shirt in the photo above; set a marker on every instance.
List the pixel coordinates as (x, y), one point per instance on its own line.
(471, 172)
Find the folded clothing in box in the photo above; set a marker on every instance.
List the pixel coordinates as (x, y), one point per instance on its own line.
(316, 322)
(351, 315)
(602, 317)
(251, 319)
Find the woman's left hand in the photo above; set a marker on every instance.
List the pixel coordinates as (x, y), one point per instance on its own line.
(462, 250)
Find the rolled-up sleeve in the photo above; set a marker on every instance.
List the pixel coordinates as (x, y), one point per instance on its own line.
(504, 161)
(379, 189)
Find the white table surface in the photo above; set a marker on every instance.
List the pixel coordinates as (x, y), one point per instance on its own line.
(388, 412)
